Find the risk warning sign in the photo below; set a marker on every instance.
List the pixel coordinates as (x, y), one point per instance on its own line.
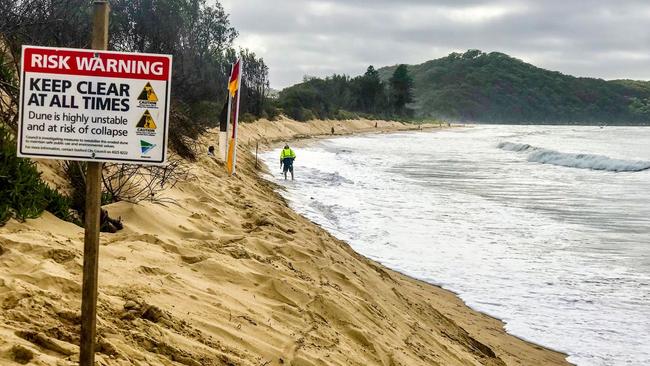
(94, 105)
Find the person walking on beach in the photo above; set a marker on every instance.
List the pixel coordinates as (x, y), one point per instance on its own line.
(287, 157)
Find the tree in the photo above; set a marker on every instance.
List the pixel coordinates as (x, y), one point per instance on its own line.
(255, 84)
(401, 89)
(64, 23)
(370, 91)
(197, 34)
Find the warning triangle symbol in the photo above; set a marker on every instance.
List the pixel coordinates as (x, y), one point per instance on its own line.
(146, 121)
(148, 94)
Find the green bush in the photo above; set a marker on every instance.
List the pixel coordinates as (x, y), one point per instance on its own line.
(23, 194)
(342, 114)
(205, 113)
(271, 112)
(57, 204)
(247, 118)
(303, 115)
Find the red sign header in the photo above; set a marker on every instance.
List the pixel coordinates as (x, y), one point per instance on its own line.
(96, 63)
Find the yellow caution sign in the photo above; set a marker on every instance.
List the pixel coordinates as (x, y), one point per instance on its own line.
(148, 94)
(146, 121)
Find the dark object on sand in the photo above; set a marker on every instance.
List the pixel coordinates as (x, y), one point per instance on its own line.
(109, 225)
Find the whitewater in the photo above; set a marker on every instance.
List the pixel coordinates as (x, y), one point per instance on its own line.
(546, 228)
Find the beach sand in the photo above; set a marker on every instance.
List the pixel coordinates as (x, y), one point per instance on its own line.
(229, 275)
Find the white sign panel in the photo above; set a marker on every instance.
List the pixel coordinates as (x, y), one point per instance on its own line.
(94, 105)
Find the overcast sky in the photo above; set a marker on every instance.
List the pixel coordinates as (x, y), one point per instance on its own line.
(608, 39)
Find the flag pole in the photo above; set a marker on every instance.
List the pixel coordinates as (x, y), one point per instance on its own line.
(235, 124)
(224, 149)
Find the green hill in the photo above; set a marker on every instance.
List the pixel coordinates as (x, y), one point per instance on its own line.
(496, 88)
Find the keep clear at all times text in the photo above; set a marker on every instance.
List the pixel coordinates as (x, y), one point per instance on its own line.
(95, 95)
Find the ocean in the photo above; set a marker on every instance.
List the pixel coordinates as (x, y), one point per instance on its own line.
(544, 227)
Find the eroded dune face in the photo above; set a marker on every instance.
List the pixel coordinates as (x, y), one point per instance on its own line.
(227, 274)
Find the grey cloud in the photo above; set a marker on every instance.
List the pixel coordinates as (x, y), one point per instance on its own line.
(599, 38)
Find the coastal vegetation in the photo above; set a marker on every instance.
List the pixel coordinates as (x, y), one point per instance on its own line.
(343, 97)
(470, 87)
(198, 35)
(23, 194)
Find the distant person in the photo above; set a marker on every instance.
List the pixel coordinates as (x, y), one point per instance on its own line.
(375, 124)
(332, 130)
(211, 151)
(287, 156)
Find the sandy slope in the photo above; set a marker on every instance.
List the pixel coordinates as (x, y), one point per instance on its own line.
(230, 276)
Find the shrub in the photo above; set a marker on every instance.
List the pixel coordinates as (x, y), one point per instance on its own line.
(247, 118)
(300, 114)
(342, 114)
(271, 112)
(183, 131)
(135, 183)
(23, 194)
(206, 113)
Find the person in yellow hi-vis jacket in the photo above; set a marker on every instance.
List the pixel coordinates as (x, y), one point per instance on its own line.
(286, 158)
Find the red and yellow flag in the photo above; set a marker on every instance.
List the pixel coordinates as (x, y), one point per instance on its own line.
(233, 88)
(233, 83)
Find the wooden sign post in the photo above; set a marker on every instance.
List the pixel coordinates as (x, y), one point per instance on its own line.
(93, 207)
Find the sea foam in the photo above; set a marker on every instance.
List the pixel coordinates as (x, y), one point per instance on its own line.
(573, 160)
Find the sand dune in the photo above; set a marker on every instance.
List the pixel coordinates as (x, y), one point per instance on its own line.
(229, 275)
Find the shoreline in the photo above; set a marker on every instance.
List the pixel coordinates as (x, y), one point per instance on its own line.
(285, 130)
(229, 274)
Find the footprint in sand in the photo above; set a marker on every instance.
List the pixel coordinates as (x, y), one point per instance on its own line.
(152, 271)
(60, 255)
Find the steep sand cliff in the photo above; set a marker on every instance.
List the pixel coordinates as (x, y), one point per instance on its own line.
(229, 275)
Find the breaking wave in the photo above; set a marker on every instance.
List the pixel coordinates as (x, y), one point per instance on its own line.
(511, 146)
(571, 160)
